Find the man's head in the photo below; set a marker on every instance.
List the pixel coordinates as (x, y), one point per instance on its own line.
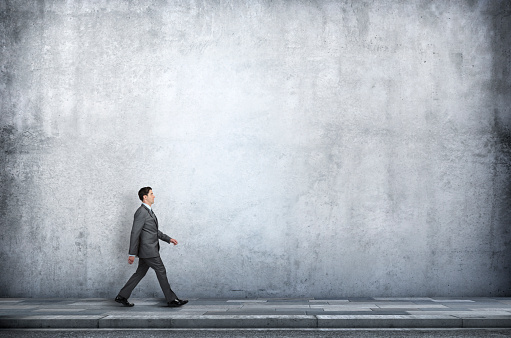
(146, 195)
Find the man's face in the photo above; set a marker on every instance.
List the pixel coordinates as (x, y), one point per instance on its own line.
(149, 198)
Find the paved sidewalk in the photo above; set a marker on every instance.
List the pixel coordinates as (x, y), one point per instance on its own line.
(258, 313)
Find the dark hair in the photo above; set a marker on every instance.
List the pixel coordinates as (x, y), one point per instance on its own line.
(143, 192)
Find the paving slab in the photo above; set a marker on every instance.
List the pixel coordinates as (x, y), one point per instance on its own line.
(342, 308)
(403, 312)
(247, 312)
(411, 306)
(403, 299)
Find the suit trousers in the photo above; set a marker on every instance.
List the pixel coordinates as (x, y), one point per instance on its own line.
(143, 265)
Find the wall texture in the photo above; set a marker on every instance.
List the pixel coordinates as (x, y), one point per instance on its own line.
(295, 148)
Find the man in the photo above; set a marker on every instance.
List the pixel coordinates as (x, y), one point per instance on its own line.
(144, 244)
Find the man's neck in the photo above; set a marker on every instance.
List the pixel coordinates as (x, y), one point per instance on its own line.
(148, 204)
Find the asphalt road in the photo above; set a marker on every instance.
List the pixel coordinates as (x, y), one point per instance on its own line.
(254, 333)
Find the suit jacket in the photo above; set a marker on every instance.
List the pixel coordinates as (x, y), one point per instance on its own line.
(145, 234)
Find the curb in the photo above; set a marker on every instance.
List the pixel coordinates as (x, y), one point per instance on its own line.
(252, 321)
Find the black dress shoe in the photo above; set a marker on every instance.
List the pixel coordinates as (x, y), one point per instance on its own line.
(123, 301)
(177, 303)
(174, 303)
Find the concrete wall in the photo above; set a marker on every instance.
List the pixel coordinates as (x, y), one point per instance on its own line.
(295, 148)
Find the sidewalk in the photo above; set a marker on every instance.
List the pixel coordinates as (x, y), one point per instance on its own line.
(258, 313)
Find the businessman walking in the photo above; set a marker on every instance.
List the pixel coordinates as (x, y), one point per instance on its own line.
(144, 244)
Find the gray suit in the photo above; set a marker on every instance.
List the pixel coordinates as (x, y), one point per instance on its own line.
(145, 234)
(144, 244)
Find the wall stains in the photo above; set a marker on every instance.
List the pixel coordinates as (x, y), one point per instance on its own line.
(296, 149)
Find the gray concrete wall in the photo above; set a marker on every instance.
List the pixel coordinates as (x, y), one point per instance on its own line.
(295, 148)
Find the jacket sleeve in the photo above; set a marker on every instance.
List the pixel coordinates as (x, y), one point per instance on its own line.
(138, 224)
(163, 237)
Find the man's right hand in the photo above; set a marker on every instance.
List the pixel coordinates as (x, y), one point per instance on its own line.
(131, 259)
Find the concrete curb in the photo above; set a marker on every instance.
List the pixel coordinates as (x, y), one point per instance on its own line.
(395, 321)
(253, 321)
(50, 322)
(211, 321)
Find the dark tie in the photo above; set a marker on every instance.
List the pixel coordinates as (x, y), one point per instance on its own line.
(152, 214)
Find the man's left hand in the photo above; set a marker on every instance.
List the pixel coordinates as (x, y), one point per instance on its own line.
(173, 241)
